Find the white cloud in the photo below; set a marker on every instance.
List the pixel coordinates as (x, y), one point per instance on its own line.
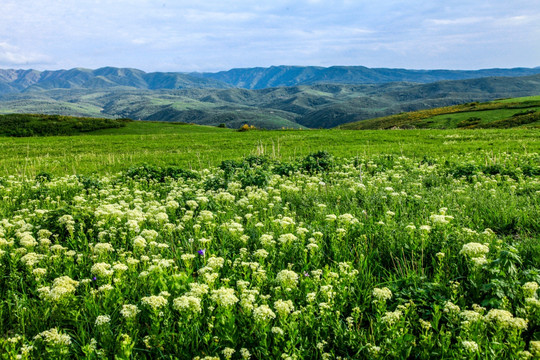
(11, 55)
(183, 35)
(458, 21)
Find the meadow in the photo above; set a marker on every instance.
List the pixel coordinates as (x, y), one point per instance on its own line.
(198, 147)
(178, 241)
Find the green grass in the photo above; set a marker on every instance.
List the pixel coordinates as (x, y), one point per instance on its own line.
(450, 121)
(497, 114)
(193, 146)
(520, 99)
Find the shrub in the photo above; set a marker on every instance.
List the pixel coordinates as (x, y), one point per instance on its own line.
(149, 172)
(25, 125)
(247, 127)
(318, 162)
(43, 177)
(470, 122)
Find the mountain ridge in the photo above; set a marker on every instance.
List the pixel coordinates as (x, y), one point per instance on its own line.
(18, 81)
(285, 75)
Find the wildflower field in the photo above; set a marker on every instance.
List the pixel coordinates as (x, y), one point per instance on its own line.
(319, 256)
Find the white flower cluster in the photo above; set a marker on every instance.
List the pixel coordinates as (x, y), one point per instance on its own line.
(504, 319)
(381, 295)
(473, 250)
(102, 320)
(102, 270)
(62, 288)
(155, 302)
(284, 307)
(470, 346)
(224, 297)
(476, 253)
(287, 278)
(391, 317)
(129, 311)
(54, 337)
(263, 313)
(187, 304)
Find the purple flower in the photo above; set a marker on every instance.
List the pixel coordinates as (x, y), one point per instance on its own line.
(94, 278)
(201, 252)
(306, 273)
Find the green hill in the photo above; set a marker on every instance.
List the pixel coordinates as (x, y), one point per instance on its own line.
(508, 113)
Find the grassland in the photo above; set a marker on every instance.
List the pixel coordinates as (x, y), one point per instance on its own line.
(517, 112)
(197, 147)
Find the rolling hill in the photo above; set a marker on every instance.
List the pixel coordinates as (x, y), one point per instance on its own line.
(500, 114)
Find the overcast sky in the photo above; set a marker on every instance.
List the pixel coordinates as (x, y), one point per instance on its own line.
(214, 35)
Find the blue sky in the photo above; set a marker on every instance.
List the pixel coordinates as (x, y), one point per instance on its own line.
(210, 35)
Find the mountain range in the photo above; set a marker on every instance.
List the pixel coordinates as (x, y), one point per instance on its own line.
(275, 97)
(13, 81)
(276, 76)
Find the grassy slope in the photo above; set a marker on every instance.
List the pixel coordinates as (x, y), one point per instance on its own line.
(193, 146)
(450, 117)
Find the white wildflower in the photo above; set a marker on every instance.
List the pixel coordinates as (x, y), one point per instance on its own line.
(129, 311)
(224, 297)
(102, 320)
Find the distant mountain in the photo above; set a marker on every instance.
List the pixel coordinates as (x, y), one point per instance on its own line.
(311, 106)
(14, 81)
(275, 76)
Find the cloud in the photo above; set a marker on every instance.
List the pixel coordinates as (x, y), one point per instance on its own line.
(458, 21)
(182, 35)
(12, 55)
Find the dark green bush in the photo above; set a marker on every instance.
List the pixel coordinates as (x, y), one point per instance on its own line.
(43, 177)
(284, 169)
(466, 170)
(25, 125)
(159, 174)
(89, 182)
(320, 161)
(253, 177)
(470, 122)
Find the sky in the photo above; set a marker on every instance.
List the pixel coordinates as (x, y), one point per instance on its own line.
(214, 35)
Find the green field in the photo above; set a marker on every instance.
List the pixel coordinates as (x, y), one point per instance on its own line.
(197, 147)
